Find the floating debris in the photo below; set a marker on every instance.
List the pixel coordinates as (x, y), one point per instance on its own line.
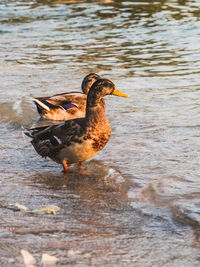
(29, 260)
(17, 207)
(10, 260)
(48, 259)
(72, 252)
(87, 255)
(49, 209)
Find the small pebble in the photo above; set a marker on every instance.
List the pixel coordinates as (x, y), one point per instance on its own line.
(29, 260)
(48, 259)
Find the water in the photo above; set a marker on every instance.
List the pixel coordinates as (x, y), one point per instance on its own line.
(140, 205)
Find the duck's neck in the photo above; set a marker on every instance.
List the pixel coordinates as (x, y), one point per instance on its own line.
(93, 99)
(95, 114)
(94, 103)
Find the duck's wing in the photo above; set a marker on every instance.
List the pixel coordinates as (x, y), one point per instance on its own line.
(61, 101)
(48, 140)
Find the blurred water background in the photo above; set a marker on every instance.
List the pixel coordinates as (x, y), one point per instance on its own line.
(141, 204)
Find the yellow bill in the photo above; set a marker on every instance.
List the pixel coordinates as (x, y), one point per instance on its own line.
(117, 92)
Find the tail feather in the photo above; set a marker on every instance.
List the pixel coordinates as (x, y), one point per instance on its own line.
(27, 132)
(41, 106)
(30, 132)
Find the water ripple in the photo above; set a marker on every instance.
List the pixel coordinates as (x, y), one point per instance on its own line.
(144, 187)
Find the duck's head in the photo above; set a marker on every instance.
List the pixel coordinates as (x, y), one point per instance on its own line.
(101, 88)
(88, 82)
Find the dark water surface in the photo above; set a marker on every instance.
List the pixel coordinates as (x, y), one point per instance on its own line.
(141, 204)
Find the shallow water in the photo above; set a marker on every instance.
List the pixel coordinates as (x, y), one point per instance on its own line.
(140, 204)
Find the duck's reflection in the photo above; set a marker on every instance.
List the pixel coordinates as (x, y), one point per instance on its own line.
(102, 182)
(94, 204)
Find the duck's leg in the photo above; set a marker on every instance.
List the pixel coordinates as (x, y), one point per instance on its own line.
(65, 172)
(81, 169)
(64, 164)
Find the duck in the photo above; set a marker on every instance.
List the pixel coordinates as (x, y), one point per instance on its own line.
(76, 140)
(68, 105)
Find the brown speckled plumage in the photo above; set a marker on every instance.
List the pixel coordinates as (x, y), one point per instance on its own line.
(79, 139)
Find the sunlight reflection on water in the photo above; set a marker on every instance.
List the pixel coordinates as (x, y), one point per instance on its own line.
(141, 204)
